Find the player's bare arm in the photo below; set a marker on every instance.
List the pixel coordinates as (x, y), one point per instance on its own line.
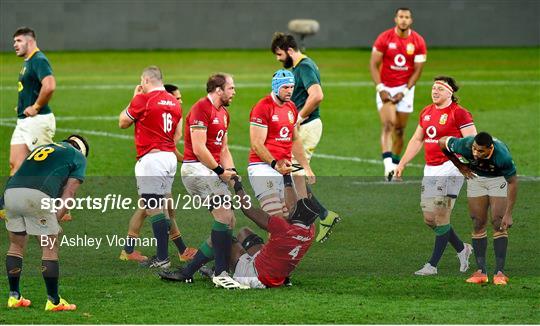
(255, 214)
(226, 161)
(374, 64)
(315, 97)
(510, 201)
(413, 147)
(48, 85)
(69, 191)
(198, 140)
(257, 136)
(124, 121)
(463, 168)
(299, 154)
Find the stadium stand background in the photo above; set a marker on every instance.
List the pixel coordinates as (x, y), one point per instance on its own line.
(221, 24)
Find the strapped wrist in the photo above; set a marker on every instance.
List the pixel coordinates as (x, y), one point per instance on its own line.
(218, 170)
(379, 87)
(273, 164)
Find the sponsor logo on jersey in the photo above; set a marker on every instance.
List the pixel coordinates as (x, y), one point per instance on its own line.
(431, 131)
(215, 121)
(427, 117)
(442, 120)
(392, 45)
(284, 134)
(166, 102)
(275, 117)
(301, 238)
(291, 117)
(410, 49)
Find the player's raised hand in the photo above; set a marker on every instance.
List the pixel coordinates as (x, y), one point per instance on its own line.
(284, 166)
(138, 90)
(385, 96)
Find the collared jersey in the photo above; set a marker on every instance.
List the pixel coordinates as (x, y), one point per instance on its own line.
(500, 163)
(32, 73)
(48, 167)
(286, 247)
(306, 73)
(438, 123)
(279, 122)
(156, 115)
(399, 56)
(205, 115)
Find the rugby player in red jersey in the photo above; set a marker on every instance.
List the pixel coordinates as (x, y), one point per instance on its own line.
(136, 222)
(442, 180)
(157, 117)
(207, 167)
(274, 140)
(396, 64)
(259, 265)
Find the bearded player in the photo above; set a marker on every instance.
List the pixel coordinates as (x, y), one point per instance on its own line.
(273, 142)
(396, 64)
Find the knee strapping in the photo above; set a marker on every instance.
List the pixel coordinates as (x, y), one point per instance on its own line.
(251, 240)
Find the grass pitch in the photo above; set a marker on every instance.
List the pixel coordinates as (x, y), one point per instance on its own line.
(363, 274)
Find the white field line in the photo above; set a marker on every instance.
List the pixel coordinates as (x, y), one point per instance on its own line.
(261, 85)
(10, 123)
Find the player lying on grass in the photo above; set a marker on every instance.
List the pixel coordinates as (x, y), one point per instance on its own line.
(259, 265)
(489, 170)
(51, 171)
(137, 219)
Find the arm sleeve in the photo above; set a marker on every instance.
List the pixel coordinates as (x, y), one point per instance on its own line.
(43, 68)
(276, 224)
(463, 118)
(309, 77)
(200, 118)
(456, 145)
(259, 116)
(136, 107)
(421, 51)
(79, 167)
(379, 44)
(509, 168)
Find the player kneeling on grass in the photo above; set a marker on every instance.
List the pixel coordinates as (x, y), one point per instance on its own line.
(489, 170)
(53, 171)
(259, 265)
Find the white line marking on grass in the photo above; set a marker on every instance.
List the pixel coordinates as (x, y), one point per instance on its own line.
(9, 123)
(324, 84)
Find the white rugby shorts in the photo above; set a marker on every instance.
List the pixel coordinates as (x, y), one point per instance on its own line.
(201, 181)
(405, 105)
(34, 131)
(155, 173)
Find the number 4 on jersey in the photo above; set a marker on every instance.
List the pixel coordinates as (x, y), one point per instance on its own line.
(293, 253)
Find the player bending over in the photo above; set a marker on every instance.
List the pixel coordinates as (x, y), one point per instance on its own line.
(259, 265)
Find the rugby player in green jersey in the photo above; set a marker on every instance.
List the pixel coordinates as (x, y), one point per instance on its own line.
(52, 173)
(492, 183)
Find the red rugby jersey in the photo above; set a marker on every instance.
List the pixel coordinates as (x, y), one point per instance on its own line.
(287, 245)
(279, 121)
(215, 120)
(156, 115)
(438, 123)
(398, 56)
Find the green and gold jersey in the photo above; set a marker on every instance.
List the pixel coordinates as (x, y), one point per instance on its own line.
(306, 73)
(32, 73)
(500, 162)
(48, 167)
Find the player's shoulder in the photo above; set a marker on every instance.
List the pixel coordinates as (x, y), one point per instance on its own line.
(426, 110)
(458, 109)
(264, 102)
(40, 57)
(417, 37)
(203, 104)
(387, 33)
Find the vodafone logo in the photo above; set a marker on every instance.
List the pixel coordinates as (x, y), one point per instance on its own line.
(431, 131)
(284, 132)
(399, 60)
(219, 137)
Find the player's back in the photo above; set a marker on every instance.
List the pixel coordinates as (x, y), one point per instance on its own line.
(157, 115)
(48, 167)
(286, 247)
